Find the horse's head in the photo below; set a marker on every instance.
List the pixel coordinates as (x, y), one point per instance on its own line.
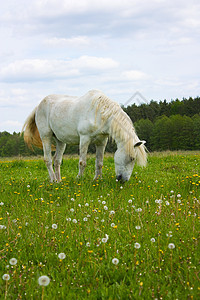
(124, 163)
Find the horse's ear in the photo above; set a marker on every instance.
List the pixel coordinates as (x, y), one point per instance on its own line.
(139, 143)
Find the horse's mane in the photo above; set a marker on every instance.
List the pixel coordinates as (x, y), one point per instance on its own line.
(121, 126)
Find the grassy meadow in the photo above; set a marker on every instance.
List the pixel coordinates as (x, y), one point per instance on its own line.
(100, 239)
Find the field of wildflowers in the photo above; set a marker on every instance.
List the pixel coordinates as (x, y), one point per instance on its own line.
(85, 239)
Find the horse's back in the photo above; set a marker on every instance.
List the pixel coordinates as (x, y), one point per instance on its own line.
(67, 116)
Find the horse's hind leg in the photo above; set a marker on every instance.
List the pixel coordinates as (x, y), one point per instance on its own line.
(48, 158)
(100, 148)
(60, 148)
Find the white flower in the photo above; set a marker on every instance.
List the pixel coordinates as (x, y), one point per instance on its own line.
(137, 245)
(13, 261)
(43, 280)
(137, 227)
(112, 224)
(112, 212)
(153, 240)
(102, 220)
(74, 221)
(1, 203)
(54, 226)
(169, 234)
(86, 204)
(61, 255)
(103, 202)
(88, 244)
(115, 261)
(171, 246)
(130, 201)
(167, 202)
(6, 276)
(2, 227)
(121, 187)
(105, 207)
(107, 236)
(79, 205)
(72, 199)
(172, 192)
(68, 219)
(85, 219)
(72, 210)
(139, 209)
(179, 196)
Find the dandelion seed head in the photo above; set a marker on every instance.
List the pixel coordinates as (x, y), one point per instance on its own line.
(43, 280)
(137, 245)
(115, 261)
(104, 240)
(61, 255)
(137, 227)
(54, 226)
(6, 276)
(13, 261)
(171, 246)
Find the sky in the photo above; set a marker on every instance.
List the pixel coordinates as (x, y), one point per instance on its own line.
(134, 51)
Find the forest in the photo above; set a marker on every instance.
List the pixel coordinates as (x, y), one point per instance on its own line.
(163, 125)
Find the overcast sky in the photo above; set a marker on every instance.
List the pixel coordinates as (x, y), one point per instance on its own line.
(122, 47)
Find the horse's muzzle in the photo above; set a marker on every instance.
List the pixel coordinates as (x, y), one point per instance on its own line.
(119, 177)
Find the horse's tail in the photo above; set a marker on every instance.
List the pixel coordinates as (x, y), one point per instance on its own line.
(31, 133)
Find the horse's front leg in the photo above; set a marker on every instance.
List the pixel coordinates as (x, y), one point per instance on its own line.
(48, 158)
(60, 148)
(100, 148)
(83, 148)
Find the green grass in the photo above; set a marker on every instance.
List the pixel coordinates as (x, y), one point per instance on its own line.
(160, 202)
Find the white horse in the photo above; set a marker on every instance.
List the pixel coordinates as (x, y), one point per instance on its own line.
(90, 118)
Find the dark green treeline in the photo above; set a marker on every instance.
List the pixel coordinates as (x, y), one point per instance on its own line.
(164, 126)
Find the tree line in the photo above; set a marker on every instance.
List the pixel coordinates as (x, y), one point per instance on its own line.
(165, 125)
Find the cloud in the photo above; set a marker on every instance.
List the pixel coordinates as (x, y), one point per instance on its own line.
(39, 69)
(77, 41)
(134, 75)
(10, 126)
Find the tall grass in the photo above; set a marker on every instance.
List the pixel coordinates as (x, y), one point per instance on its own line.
(101, 239)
